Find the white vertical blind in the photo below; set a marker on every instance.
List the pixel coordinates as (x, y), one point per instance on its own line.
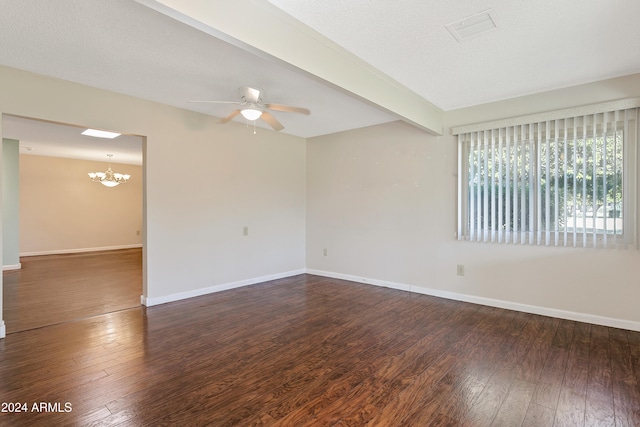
(559, 182)
(584, 181)
(556, 185)
(547, 181)
(532, 194)
(500, 186)
(493, 220)
(539, 195)
(486, 188)
(508, 168)
(594, 186)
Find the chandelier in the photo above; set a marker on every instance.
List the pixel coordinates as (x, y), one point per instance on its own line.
(109, 178)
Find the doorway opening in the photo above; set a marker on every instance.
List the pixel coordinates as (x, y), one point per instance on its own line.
(79, 250)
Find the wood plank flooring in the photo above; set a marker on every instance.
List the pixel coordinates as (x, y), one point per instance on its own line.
(51, 289)
(313, 351)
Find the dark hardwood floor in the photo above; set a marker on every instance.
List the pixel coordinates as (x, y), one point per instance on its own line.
(52, 289)
(314, 351)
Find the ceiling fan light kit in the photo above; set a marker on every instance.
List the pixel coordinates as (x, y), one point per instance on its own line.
(251, 113)
(253, 108)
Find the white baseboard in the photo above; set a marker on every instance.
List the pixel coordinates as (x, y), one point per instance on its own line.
(509, 305)
(80, 250)
(358, 279)
(149, 302)
(17, 266)
(3, 329)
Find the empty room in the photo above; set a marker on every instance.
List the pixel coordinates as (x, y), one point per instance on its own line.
(349, 213)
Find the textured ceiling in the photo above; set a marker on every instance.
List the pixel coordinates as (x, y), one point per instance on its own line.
(539, 45)
(125, 47)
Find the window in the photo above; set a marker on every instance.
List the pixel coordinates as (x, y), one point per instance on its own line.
(564, 182)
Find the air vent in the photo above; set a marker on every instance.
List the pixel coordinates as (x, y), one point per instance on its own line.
(473, 25)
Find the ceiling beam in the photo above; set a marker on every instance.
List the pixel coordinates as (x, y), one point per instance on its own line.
(262, 29)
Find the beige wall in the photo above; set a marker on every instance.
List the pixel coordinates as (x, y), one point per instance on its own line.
(382, 201)
(61, 210)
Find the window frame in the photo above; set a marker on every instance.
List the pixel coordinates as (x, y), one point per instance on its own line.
(532, 136)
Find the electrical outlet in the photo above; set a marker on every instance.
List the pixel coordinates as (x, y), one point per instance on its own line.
(245, 230)
(325, 252)
(460, 270)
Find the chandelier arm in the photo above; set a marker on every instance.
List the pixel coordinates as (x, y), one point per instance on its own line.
(109, 178)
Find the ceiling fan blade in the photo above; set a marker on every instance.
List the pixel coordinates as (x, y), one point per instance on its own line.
(287, 108)
(230, 116)
(271, 121)
(215, 102)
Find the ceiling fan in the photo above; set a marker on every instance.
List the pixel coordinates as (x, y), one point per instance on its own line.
(252, 107)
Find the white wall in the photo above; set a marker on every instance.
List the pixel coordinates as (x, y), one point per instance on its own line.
(204, 183)
(377, 197)
(382, 201)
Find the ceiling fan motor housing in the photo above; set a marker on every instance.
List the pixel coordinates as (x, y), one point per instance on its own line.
(250, 94)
